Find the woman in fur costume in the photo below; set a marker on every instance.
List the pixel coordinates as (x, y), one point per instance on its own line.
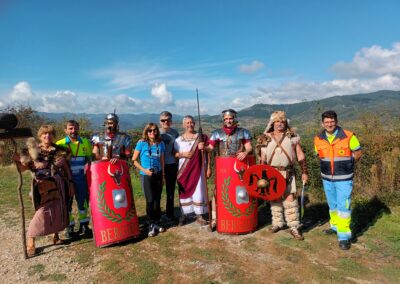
(51, 186)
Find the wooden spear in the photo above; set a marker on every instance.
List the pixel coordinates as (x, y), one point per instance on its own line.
(202, 163)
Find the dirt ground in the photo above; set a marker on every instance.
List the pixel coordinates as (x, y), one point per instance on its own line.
(191, 253)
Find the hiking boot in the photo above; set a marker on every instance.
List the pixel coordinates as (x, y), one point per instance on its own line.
(152, 230)
(85, 231)
(329, 231)
(201, 221)
(69, 232)
(296, 234)
(274, 229)
(344, 245)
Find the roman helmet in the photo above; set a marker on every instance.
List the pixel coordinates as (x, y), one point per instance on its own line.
(112, 118)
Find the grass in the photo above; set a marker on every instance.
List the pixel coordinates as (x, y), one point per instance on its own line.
(351, 267)
(55, 277)
(384, 238)
(36, 269)
(250, 245)
(392, 272)
(85, 257)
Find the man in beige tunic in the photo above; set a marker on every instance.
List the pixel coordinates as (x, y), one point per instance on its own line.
(279, 147)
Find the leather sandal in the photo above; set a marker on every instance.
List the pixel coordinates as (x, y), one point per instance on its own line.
(274, 229)
(296, 234)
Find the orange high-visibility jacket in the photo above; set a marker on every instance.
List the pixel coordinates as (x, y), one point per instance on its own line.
(336, 159)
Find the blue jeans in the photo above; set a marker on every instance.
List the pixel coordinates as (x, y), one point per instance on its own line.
(338, 196)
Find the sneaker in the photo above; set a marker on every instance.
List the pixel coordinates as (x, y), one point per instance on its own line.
(344, 245)
(296, 234)
(69, 232)
(329, 231)
(152, 230)
(85, 231)
(201, 221)
(274, 229)
(159, 227)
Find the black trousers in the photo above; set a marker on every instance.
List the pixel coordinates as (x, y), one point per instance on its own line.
(152, 187)
(171, 171)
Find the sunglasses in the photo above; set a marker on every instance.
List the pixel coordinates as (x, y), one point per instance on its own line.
(152, 130)
(165, 120)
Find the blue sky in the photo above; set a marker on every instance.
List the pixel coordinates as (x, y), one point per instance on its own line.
(147, 56)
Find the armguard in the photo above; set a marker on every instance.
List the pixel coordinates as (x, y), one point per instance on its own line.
(303, 166)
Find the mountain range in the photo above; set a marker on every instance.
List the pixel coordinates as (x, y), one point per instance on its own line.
(347, 107)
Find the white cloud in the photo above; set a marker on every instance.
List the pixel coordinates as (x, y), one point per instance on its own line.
(253, 67)
(61, 101)
(21, 92)
(372, 68)
(160, 92)
(371, 62)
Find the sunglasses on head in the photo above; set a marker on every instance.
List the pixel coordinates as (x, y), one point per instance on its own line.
(165, 120)
(151, 130)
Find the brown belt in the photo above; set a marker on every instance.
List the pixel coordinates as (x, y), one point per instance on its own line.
(290, 168)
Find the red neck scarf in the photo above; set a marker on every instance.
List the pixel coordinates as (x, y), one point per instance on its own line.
(229, 130)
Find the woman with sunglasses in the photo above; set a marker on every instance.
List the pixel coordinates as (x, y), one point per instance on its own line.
(150, 150)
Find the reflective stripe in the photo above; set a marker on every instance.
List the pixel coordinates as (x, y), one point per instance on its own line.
(344, 214)
(343, 223)
(333, 219)
(77, 168)
(337, 177)
(337, 159)
(85, 220)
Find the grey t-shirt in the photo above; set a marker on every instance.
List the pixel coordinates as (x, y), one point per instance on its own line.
(169, 138)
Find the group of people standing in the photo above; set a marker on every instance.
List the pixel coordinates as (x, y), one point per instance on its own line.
(162, 156)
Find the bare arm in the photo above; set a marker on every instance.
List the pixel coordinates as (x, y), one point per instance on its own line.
(357, 155)
(248, 148)
(138, 165)
(96, 152)
(263, 159)
(301, 157)
(208, 157)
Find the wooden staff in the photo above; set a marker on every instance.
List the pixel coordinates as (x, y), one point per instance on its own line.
(21, 202)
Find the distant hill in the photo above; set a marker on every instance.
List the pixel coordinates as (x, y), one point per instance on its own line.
(126, 120)
(347, 107)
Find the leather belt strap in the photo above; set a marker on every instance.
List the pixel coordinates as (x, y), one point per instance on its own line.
(288, 168)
